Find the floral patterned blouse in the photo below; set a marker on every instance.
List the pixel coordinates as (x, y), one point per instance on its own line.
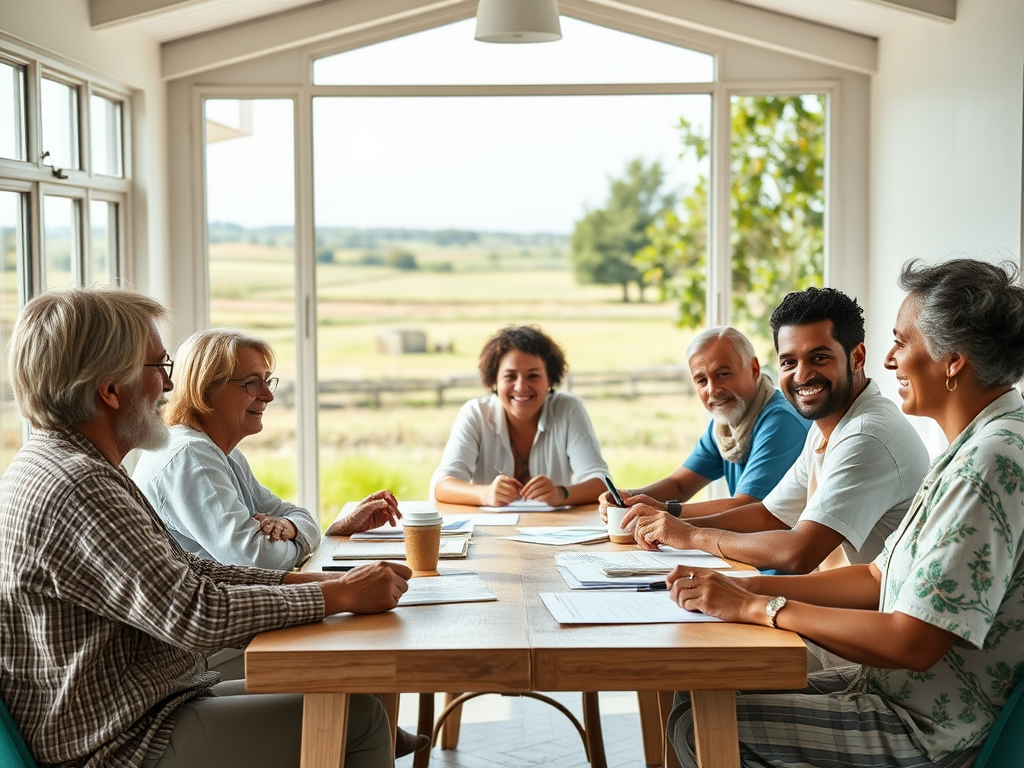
(955, 563)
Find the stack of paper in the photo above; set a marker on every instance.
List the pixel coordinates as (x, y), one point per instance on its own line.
(618, 608)
(447, 588)
(459, 526)
(525, 505)
(451, 547)
(561, 535)
(628, 570)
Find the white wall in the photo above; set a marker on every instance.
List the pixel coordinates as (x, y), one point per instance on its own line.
(61, 28)
(946, 162)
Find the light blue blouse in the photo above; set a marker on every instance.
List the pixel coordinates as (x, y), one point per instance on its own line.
(208, 500)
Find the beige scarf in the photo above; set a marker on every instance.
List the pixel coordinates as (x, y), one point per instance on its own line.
(734, 440)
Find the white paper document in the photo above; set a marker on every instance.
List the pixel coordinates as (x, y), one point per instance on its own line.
(561, 535)
(525, 505)
(594, 570)
(618, 608)
(450, 526)
(494, 518)
(451, 547)
(447, 588)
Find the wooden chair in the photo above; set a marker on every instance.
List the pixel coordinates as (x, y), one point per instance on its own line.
(446, 728)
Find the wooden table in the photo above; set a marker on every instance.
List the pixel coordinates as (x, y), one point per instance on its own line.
(514, 645)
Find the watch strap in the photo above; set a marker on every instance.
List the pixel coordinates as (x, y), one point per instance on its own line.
(674, 508)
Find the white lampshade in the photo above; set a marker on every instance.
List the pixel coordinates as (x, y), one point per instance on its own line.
(517, 21)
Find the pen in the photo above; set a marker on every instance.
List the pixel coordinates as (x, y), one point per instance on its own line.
(613, 491)
(337, 568)
(656, 586)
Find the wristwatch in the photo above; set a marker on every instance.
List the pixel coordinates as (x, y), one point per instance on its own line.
(674, 508)
(775, 605)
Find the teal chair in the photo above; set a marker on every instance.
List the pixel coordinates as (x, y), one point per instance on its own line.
(1004, 746)
(13, 752)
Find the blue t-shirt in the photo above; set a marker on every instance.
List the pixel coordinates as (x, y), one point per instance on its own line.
(779, 435)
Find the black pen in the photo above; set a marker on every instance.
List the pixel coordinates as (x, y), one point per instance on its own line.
(337, 568)
(657, 586)
(613, 491)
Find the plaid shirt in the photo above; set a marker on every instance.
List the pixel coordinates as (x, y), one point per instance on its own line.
(104, 620)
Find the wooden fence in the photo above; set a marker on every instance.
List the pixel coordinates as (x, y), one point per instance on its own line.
(347, 393)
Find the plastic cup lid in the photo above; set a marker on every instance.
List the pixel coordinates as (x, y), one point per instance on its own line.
(421, 518)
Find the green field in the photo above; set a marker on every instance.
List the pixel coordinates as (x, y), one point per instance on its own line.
(398, 444)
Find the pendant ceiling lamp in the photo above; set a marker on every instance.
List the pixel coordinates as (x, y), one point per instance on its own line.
(517, 21)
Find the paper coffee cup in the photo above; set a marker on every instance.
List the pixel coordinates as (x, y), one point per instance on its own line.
(422, 539)
(616, 533)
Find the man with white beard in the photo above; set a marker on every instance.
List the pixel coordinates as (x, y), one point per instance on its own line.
(752, 440)
(105, 621)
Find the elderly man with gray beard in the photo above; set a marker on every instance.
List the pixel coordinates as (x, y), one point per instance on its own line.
(754, 437)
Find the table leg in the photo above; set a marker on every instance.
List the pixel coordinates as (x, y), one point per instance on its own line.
(324, 726)
(652, 729)
(592, 726)
(450, 729)
(715, 731)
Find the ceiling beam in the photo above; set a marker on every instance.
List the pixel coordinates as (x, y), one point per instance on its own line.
(110, 13)
(358, 22)
(936, 9)
(746, 24)
(328, 20)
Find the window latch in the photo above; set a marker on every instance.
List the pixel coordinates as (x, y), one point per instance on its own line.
(58, 172)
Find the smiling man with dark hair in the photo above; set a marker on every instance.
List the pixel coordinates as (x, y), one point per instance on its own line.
(859, 469)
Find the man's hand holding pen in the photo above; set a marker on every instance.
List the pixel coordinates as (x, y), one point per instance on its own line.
(654, 527)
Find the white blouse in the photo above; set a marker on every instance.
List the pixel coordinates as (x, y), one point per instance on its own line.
(565, 448)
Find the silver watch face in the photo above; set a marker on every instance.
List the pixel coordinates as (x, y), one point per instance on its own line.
(775, 604)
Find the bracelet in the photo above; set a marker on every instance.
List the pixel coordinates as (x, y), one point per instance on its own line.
(718, 543)
(565, 492)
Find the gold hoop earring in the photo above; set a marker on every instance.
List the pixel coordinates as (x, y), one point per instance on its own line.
(949, 379)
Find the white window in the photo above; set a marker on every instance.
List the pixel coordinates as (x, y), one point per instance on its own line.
(64, 189)
(395, 111)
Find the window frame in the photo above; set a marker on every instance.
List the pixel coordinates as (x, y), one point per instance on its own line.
(35, 180)
(719, 258)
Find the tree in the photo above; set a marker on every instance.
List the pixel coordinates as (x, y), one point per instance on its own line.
(605, 241)
(778, 205)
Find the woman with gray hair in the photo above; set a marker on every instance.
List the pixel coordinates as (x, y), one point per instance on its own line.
(936, 622)
(201, 484)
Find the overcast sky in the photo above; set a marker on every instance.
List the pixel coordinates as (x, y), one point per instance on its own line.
(516, 164)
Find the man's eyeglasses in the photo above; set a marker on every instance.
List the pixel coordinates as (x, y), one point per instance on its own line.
(167, 365)
(254, 384)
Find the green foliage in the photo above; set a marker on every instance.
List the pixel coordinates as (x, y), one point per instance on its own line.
(325, 256)
(371, 260)
(399, 258)
(606, 239)
(778, 194)
(358, 475)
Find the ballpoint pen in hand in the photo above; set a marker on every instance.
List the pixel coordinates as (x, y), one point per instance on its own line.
(655, 570)
(613, 491)
(657, 586)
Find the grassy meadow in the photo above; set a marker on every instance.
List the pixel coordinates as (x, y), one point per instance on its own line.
(477, 289)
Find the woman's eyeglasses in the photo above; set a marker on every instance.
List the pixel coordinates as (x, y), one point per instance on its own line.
(254, 384)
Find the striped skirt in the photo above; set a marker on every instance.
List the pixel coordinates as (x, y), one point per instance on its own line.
(819, 727)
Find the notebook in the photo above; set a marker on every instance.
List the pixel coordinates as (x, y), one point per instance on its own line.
(451, 547)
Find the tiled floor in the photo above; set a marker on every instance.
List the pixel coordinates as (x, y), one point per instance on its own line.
(513, 732)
